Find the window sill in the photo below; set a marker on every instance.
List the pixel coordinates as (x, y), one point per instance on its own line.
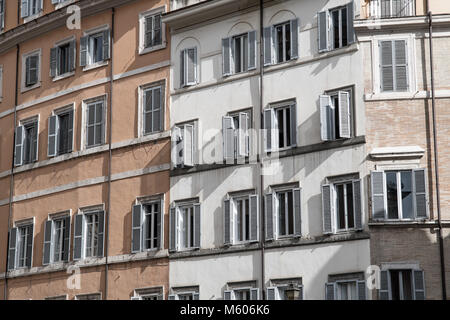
(33, 17)
(24, 89)
(143, 51)
(64, 76)
(95, 65)
(402, 223)
(64, 4)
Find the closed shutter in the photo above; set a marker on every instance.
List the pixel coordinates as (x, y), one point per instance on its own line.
(243, 137)
(172, 297)
(268, 46)
(70, 131)
(24, 9)
(173, 221)
(228, 295)
(197, 225)
(254, 218)
(327, 209)
(53, 61)
(12, 249)
(188, 145)
(297, 212)
(47, 242)
(19, 145)
(387, 68)
(293, 119)
(383, 292)
(72, 55)
(361, 286)
(226, 56)
(195, 296)
(227, 222)
(101, 233)
(401, 65)
(357, 204)
(228, 139)
(160, 226)
(269, 217)
(378, 196)
(269, 129)
(344, 115)
(78, 237)
(252, 50)
(326, 118)
(136, 228)
(294, 39)
(419, 285)
(420, 193)
(29, 256)
(350, 26)
(106, 44)
(330, 291)
(83, 50)
(323, 24)
(254, 294)
(66, 252)
(272, 293)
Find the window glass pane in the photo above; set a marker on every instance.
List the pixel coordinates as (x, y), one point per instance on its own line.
(288, 41)
(335, 30)
(237, 55)
(290, 203)
(407, 196)
(279, 43)
(344, 26)
(247, 220)
(395, 285)
(350, 213)
(340, 206)
(392, 198)
(407, 286)
(282, 214)
(281, 127)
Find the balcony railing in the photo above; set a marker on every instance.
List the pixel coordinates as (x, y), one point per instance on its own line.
(392, 8)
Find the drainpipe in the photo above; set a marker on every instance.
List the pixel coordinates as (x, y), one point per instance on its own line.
(436, 158)
(111, 82)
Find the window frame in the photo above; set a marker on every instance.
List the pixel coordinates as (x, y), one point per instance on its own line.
(24, 87)
(335, 93)
(85, 121)
(339, 9)
(399, 197)
(375, 10)
(154, 220)
(190, 227)
(157, 291)
(142, 27)
(32, 120)
(235, 117)
(59, 217)
(58, 45)
(31, 16)
(60, 112)
(24, 224)
(184, 70)
(178, 139)
(87, 295)
(336, 214)
(283, 25)
(141, 107)
(274, 130)
(1, 83)
(90, 34)
(277, 208)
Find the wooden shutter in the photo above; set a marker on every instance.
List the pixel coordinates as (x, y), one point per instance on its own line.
(254, 217)
(401, 65)
(227, 222)
(344, 114)
(78, 237)
(330, 289)
(188, 145)
(243, 142)
(268, 55)
(254, 294)
(72, 55)
(160, 225)
(228, 139)
(53, 61)
(294, 38)
(83, 50)
(70, 132)
(386, 65)
(136, 228)
(361, 287)
(66, 252)
(420, 193)
(293, 119)
(19, 145)
(173, 220)
(378, 195)
(47, 242)
(148, 40)
(419, 285)
(327, 209)
(272, 293)
(269, 122)
(270, 233)
(197, 225)
(226, 56)
(106, 44)
(101, 233)
(252, 50)
(350, 26)
(323, 24)
(326, 118)
(24, 9)
(383, 292)
(297, 212)
(357, 204)
(12, 249)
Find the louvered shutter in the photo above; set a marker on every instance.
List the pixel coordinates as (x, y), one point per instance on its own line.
(136, 228)
(269, 130)
(2, 14)
(195, 296)
(78, 237)
(106, 44)
(300, 295)
(361, 286)
(401, 65)
(323, 25)
(420, 193)
(252, 50)
(72, 55)
(294, 39)
(297, 212)
(268, 54)
(226, 56)
(12, 249)
(327, 209)
(191, 63)
(254, 217)
(293, 133)
(270, 233)
(419, 285)
(83, 50)
(378, 195)
(326, 118)
(350, 26)
(70, 132)
(227, 222)
(19, 145)
(254, 294)
(101, 234)
(66, 252)
(188, 145)
(330, 291)
(383, 292)
(227, 295)
(357, 204)
(24, 9)
(173, 221)
(160, 226)
(183, 55)
(53, 61)
(197, 225)
(344, 115)
(29, 256)
(47, 242)
(272, 293)
(177, 146)
(387, 68)
(228, 139)
(242, 147)
(172, 297)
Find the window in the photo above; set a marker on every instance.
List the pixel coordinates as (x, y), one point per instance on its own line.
(394, 65)
(346, 287)
(341, 206)
(392, 8)
(29, 8)
(31, 70)
(152, 31)
(336, 115)
(280, 124)
(62, 59)
(283, 213)
(336, 28)
(26, 142)
(236, 139)
(402, 284)
(241, 219)
(1, 83)
(239, 53)
(56, 240)
(60, 132)
(92, 296)
(183, 141)
(2, 14)
(241, 291)
(155, 293)
(185, 227)
(281, 42)
(95, 48)
(188, 293)
(95, 122)
(88, 239)
(21, 245)
(147, 225)
(188, 70)
(279, 289)
(153, 109)
(399, 195)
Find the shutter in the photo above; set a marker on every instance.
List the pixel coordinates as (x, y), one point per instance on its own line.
(197, 225)
(254, 217)
(24, 9)
(350, 26)
(66, 253)
(227, 295)
(160, 226)
(327, 209)
(53, 61)
(106, 44)
(293, 132)
(72, 55)
(137, 228)
(420, 193)
(195, 296)
(323, 25)
(242, 140)
(173, 229)
(383, 292)
(162, 107)
(34, 69)
(378, 196)
(387, 71)
(419, 285)
(136, 298)
(227, 222)
(268, 46)
(70, 132)
(252, 50)
(269, 129)
(294, 39)
(357, 206)
(47, 242)
(183, 54)
(40, 4)
(272, 293)
(29, 256)
(300, 295)
(188, 145)
(226, 56)
(361, 287)
(83, 50)
(19, 145)
(254, 294)
(228, 139)
(28, 71)
(78, 237)
(297, 212)
(191, 66)
(2, 15)
(12, 249)
(177, 146)
(401, 66)
(101, 234)
(269, 217)
(326, 118)
(344, 115)
(329, 291)
(172, 297)
(148, 41)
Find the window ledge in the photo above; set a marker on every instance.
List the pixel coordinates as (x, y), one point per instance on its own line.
(64, 76)
(64, 4)
(33, 17)
(26, 89)
(402, 223)
(143, 51)
(96, 65)
(397, 152)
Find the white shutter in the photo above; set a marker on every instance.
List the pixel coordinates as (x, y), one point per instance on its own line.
(188, 145)
(268, 51)
(24, 9)
(378, 195)
(323, 30)
(243, 137)
(254, 217)
(173, 225)
(177, 146)
(228, 295)
(271, 141)
(326, 118)
(19, 145)
(384, 291)
(344, 114)
(228, 139)
(254, 294)
(270, 225)
(226, 56)
(294, 38)
(420, 193)
(252, 50)
(419, 285)
(53, 129)
(327, 209)
(83, 51)
(272, 293)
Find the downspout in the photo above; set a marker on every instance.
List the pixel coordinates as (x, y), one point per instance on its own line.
(436, 158)
(111, 82)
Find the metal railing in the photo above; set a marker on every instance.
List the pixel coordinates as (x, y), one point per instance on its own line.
(392, 8)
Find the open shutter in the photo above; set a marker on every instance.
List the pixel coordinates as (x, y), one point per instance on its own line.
(300, 295)
(53, 128)
(272, 293)
(420, 193)
(53, 61)
(419, 285)
(29, 256)
(330, 291)
(137, 228)
(160, 226)
(188, 145)
(268, 46)
(243, 138)
(83, 50)
(252, 50)
(254, 217)
(293, 132)
(47, 242)
(294, 39)
(2, 14)
(228, 295)
(344, 115)
(183, 65)
(177, 147)
(401, 65)
(378, 196)
(270, 233)
(323, 24)
(24, 9)
(227, 222)
(172, 297)
(191, 66)
(228, 139)
(297, 212)
(173, 221)
(361, 286)
(269, 122)
(106, 44)
(162, 107)
(12, 249)
(72, 55)
(383, 292)
(19, 145)
(101, 233)
(78, 238)
(66, 253)
(254, 294)
(226, 56)
(70, 132)
(386, 66)
(357, 204)
(326, 118)
(148, 40)
(197, 225)
(327, 209)
(350, 26)
(195, 296)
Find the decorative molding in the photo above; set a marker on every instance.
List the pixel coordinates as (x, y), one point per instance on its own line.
(400, 152)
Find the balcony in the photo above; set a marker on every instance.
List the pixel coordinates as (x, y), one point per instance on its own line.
(385, 9)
